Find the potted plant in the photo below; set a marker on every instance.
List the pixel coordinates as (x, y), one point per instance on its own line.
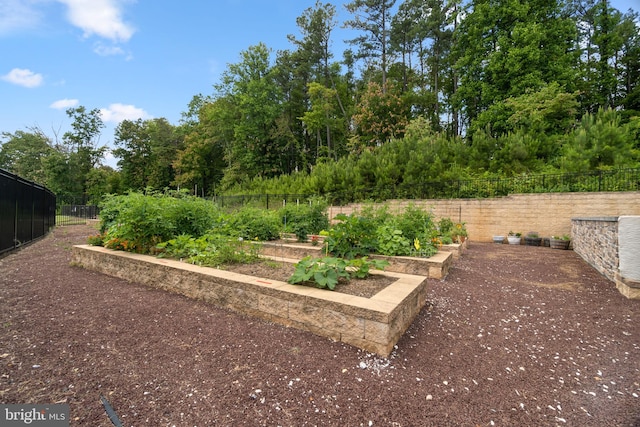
(498, 239)
(557, 242)
(514, 238)
(532, 239)
(458, 233)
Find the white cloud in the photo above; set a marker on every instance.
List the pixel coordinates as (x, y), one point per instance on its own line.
(23, 77)
(119, 112)
(63, 104)
(17, 15)
(103, 50)
(100, 17)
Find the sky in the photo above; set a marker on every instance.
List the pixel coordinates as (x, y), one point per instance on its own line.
(130, 59)
(133, 58)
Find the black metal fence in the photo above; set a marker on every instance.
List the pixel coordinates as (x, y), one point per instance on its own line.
(268, 201)
(27, 211)
(594, 181)
(75, 214)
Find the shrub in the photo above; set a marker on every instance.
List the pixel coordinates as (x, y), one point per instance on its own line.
(353, 236)
(304, 219)
(252, 224)
(212, 250)
(138, 222)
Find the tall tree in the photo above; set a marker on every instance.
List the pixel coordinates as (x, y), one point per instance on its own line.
(200, 164)
(373, 18)
(630, 61)
(313, 54)
(380, 116)
(506, 47)
(83, 149)
(258, 101)
(23, 154)
(134, 152)
(427, 26)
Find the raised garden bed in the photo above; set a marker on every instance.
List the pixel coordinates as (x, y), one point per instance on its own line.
(435, 267)
(373, 324)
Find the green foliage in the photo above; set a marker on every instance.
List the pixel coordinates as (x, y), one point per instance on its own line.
(602, 141)
(253, 224)
(424, 249)
(417, 223)
(211, 249)
(146, 149)
(137, 222)
(96, 240)
(514, 88)
(351, 237)
(391, 242)
(23, 153)
(327, 271)
(304, 218)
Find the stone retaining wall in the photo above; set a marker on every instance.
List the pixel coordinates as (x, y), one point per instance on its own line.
(612, 246)
(549, 214)
(596, 241)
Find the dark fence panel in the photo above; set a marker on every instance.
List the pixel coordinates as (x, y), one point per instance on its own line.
(266, 201)
(75, 214)
(27, 211)
(593, 181)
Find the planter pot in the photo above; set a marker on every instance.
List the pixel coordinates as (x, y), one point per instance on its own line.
(559, 244)
(498, 239)
(513, 240)
(532, 241)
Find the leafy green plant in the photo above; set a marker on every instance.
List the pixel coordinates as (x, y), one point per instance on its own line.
(138, 222)
(211, 250)
(423, 249)
(415, 222)
(96, 240)
(252, 224)
(361, 267)
(326, 272)
(353, 236)
(304, 219)
(391, 241)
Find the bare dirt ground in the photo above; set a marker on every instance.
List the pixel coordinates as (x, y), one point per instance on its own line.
(513, 336)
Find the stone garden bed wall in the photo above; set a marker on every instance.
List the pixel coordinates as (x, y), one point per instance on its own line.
(373, 324)
(435, 267)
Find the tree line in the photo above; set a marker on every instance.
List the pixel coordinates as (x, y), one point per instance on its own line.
(427, 90)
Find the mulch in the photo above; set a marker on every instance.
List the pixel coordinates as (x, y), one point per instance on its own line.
(513, 336)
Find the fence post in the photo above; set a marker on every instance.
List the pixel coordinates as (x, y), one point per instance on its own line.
(599, 180)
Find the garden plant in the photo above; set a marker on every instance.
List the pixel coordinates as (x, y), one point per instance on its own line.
(173, 224)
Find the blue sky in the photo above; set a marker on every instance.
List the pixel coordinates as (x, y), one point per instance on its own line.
(132, 59)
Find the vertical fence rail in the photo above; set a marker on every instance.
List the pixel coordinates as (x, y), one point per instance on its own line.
(27, 211)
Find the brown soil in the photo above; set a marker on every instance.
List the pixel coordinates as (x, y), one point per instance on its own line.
(514, 336)
(282, 271)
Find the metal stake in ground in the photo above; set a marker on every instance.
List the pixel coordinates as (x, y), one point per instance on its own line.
(110, 412)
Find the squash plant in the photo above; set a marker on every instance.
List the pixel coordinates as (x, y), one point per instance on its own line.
(327, 271)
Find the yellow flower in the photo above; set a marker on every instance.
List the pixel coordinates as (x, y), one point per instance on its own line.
(416, 244)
